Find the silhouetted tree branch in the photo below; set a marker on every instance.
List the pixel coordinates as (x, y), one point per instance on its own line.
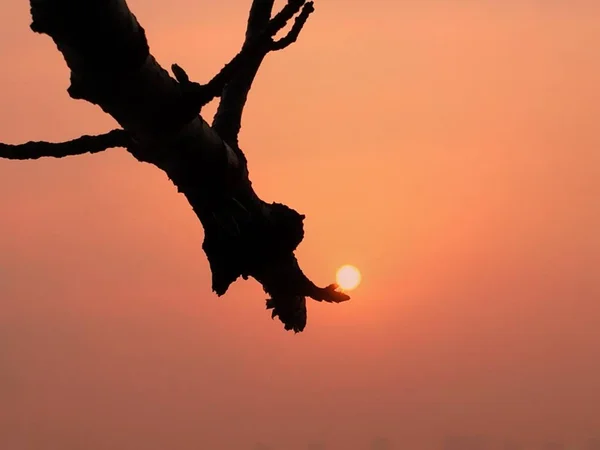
(292, 36)
(241, 70)
(111, 66)
(258, 43)
(79, 146)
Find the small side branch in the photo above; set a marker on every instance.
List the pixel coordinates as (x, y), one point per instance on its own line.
(287, 12)
(202, 94)
(293, 34)
(79, 146)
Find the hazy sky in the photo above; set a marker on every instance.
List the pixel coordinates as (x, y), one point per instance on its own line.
(449, 149)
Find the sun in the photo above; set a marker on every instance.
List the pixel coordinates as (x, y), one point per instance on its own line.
(348, 277)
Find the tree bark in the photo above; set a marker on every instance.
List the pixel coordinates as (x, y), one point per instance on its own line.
(111, 66)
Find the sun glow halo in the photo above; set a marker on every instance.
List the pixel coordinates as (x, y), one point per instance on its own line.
(348, 277)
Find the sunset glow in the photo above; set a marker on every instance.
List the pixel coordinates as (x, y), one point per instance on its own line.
(348, 277)
(447, 150)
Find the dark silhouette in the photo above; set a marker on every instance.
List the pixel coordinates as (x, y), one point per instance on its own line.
(111, 66)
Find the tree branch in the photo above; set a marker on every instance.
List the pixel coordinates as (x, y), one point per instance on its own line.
(287, 12)
(200, 95)
(259, 41)
(299, 23)
(258, 19)
(111, 66)
(242, 69)
(79, 146)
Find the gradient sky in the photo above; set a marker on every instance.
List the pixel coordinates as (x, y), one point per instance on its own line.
(449, 149)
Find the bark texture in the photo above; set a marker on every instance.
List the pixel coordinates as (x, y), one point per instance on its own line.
(111, 66)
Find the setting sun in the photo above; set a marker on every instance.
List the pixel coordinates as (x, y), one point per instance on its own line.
(348, 277)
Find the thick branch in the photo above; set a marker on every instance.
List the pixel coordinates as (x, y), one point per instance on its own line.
(79, 146)
(258, 19)
(228, 118)
(111, 66)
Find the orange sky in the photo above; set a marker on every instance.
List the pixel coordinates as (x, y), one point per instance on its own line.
(448, 149)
